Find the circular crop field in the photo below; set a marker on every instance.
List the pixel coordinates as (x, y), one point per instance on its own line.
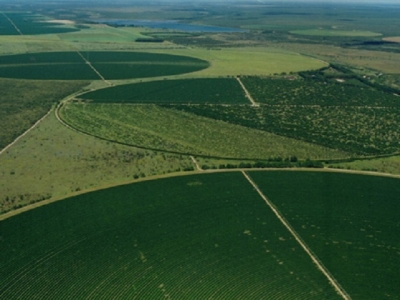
(96, 65)
(209, 236)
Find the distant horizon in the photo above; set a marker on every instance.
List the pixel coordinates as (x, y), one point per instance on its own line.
(200, 1)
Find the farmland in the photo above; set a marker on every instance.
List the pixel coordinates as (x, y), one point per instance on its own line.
(214, 220)
(154, 127)
(147, 239)
(158, 147)
(235, 61)
(15, 23)
(222, 90)
(53, 162)
(352, 118)
(112, 65)
(24, 102)
(353, 230)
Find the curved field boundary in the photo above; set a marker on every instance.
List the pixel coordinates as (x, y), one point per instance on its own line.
(57, 111)
(178, 174)
(339, 289)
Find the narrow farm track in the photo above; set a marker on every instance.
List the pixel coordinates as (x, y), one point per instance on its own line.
(248, 96)
(340, 290)
(12, 23)
(26, 132)
(93, 68)
(196, 163)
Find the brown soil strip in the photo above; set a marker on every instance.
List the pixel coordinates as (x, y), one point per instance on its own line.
(248, 96)
(196, 163)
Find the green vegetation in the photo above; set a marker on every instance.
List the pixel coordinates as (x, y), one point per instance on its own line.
(53, 162)
(350, 115)
(222, 90)
(388, 165)
(349, 221)
(164, 129)
(103, 34)
(335, 32)
(358, 130)
(50, 72)
(112, 65)
(340, 91)
(248, 61)
(16, 23)
(23, 102)
(158, 239)
(331, 99)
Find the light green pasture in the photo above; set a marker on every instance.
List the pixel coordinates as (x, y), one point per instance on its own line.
(248, 61)
(334, 32)
(390, 165)
(53, 161)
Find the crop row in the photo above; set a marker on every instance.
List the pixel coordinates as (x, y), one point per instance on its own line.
(353, 229)
(360, 130)
(222, 90)
(309, 92)
(188, 237)
(153, 127)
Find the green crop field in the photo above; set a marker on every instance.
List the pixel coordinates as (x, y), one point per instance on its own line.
(221, 90)
(29, 24)
(335, 32)
(154, 127)
(112, 65)
(187, 237)
(311, 92)
(353, 229)
(133, 160)
(209, 235)
(346, 115)
(358, 130)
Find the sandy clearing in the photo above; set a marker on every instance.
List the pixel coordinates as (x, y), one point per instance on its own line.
(65, 22)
